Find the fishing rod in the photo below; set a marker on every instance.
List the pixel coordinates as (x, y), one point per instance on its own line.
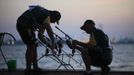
(2, 41)
(5, 33)
(56, 56)
(60, 44)
(63, 32)
(68, 41)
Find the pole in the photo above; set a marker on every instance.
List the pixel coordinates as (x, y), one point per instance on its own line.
(68, 42)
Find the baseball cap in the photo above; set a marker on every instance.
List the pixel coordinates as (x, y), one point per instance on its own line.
(57, 16)
(57, 22)
(87, 23)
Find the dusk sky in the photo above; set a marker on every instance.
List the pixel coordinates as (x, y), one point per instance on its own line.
(114, 17)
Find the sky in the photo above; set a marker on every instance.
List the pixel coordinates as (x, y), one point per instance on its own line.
(114, 17)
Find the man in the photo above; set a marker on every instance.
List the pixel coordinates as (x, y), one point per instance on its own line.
(36, 18)
(96, 52)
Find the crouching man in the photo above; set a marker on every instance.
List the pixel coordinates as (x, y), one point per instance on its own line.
(96, 52)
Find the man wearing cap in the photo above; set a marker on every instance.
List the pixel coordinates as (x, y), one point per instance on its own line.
(36, 18)
(96, 52)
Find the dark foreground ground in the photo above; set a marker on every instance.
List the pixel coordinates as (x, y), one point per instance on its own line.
(62, 72)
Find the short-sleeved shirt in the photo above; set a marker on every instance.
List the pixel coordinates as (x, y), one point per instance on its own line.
(30, 21)
(99, 37)
(37, 16)
(102, 56)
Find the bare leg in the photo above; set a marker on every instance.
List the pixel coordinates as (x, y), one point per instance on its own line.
(28, 58)
(35, 63)
(85, 56)
(31, 55)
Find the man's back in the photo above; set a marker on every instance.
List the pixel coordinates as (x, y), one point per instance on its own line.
(102, 54)
(33, 16)
(101, 38)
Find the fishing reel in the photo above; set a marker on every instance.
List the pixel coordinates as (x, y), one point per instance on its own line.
(70, 45)
(60, 45)
(57, 46)
(49, 46)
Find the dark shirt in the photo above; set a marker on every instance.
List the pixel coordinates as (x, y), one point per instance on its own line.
(35, 16)
(101, 38)
(101, 54)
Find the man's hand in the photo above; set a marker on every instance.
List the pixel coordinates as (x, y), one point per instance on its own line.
(69, 43)
(74, 42)
(54, 48)
(54, 51)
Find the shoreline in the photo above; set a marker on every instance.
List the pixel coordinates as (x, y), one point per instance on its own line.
(62, 72)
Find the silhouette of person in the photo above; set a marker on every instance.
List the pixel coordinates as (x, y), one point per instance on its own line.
(96, 52)
(36, 18)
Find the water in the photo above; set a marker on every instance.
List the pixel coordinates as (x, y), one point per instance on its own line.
(123, 55)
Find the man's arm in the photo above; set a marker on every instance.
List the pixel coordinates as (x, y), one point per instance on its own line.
(41, 34)
(49, 29)
(42, 28)
(82, 44)
(50, 32)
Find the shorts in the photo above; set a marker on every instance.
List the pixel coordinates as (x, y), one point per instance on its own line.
(27, 34)
(101, 57)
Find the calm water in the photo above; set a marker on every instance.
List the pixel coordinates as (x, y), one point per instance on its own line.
(123, 58)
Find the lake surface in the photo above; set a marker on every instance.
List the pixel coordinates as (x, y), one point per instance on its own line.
(123, 58)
